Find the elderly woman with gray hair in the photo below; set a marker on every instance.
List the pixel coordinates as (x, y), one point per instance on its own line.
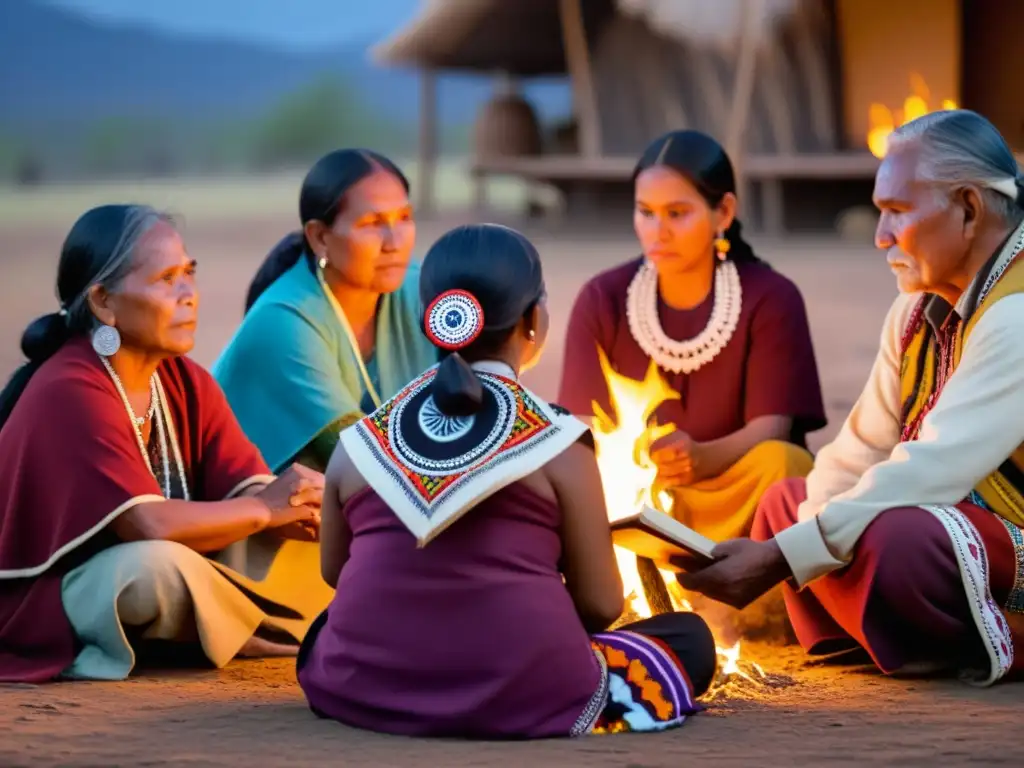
(125, 472)
(906, 540)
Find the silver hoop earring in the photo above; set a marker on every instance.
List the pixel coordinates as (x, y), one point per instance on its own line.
(322, 263)
(106, 340)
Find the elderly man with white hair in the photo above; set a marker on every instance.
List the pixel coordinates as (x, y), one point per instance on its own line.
(906, 538)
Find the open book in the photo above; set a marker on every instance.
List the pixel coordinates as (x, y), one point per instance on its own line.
(653, 534)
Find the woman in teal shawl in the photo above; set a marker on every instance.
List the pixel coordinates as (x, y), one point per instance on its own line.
(333, 323)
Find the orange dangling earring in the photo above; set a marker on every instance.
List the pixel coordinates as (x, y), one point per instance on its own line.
(722, 246)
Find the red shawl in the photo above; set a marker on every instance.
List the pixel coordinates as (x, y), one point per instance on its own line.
(71, 463)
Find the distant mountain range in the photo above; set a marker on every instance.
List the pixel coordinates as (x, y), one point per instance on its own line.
(62, 68)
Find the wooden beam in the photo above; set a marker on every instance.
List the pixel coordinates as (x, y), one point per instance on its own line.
(746, 75)
(824, 166)
(577, 60)
(428, 148)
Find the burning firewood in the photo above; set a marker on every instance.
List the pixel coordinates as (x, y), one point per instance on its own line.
(622, 439)
(654, 587)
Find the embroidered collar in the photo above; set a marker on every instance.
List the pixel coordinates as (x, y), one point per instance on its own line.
(989, 273)
(938, 312)
(431, 468)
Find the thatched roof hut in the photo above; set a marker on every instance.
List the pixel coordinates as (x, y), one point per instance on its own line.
(788, 85)
(522, 37)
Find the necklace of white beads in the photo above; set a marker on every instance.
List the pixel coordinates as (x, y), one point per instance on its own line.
(689, 355)
(163, 424)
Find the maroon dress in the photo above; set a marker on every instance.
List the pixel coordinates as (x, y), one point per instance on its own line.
(767, 368)
(70, 460)
(487, 584)
(475, 635)
(451, 616)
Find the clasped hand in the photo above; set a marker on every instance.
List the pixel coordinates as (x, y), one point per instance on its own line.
(294, 499)
(743, 570)
(677, 457)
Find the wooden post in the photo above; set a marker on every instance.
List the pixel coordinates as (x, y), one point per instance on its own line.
(428, 149)
(743, 89)
(480, 201)
(773, 214)
(506, 84)
(577, 60)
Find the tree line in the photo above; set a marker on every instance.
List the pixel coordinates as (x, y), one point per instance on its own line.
(302, 126)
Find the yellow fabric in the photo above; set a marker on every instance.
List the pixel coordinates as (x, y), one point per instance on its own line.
(723, 507)
(1002, 495)
(920, 356)
(179, 595)
(998, 490)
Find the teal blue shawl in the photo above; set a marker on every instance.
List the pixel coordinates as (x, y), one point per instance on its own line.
(290, 372)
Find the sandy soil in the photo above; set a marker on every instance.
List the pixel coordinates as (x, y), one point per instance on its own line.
(252, 713)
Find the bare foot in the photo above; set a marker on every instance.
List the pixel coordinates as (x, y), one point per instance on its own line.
(257, 647)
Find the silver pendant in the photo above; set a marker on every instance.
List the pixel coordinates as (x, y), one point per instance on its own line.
(106, 340)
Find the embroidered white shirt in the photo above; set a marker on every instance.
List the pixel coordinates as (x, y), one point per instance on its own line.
(976, 423)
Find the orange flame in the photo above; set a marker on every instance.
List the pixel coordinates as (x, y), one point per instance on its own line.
(627, 476)
(627, 472)
(882, 121)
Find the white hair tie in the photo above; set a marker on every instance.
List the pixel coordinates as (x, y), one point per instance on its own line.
(1008, 187)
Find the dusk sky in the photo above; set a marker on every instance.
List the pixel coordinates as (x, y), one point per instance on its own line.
(298, 24)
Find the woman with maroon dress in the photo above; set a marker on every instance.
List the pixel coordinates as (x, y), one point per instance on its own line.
(465, 529)
(125, 471)
(727, 333)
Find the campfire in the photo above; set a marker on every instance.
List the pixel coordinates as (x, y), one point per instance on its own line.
(623, 440)
(882, 121)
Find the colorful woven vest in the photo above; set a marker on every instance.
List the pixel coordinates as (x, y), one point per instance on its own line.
(926, 366)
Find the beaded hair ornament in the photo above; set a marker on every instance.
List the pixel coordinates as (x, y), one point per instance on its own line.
(454, 320)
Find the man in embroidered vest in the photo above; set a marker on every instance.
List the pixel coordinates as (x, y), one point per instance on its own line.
(905, 540)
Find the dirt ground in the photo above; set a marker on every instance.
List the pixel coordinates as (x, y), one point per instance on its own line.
(253, 714)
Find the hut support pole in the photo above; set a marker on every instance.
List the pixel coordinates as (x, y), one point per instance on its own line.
(427, 142)
(480, 202)
(577, 59)
(743, 90)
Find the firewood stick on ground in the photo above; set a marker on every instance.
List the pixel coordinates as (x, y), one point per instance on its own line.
(654, 586)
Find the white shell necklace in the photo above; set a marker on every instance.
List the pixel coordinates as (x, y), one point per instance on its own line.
(164, 428)
(141, 420)
(689, 355)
